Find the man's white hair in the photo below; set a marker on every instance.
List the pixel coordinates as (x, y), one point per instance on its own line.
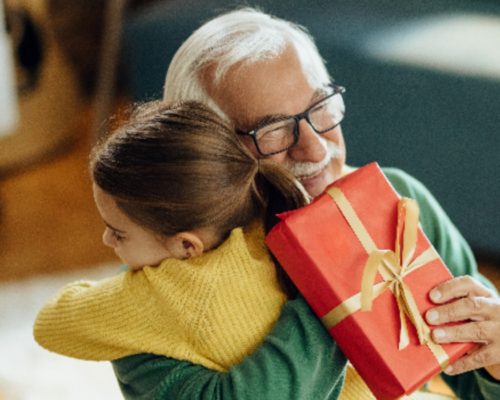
(245, 35)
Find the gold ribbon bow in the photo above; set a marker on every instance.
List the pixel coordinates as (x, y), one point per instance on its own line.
(393, 265)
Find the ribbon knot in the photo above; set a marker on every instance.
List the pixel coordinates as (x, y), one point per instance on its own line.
(393, 265)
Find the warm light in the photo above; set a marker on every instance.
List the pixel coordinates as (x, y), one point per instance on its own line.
(465, 44)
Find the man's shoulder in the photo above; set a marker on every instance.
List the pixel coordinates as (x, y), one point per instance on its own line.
(404, 183)
(397, 174)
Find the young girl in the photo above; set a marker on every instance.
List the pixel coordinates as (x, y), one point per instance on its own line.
(183, 201)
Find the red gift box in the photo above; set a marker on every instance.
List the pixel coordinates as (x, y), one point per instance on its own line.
(360, 233)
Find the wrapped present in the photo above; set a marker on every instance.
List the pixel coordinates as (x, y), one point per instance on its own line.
(359, 257)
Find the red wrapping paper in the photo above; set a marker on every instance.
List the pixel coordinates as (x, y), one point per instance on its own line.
(321, 254)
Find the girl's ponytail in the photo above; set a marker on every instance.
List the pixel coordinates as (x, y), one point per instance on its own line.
(282, 190)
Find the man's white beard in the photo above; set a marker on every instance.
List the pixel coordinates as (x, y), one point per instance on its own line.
(304, 169)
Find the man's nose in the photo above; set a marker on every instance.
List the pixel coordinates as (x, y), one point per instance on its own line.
(310, 146)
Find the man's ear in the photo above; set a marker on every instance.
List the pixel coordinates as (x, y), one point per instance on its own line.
(189, 244)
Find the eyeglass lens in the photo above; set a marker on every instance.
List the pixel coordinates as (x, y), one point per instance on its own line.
(325, 115)
(281, 135)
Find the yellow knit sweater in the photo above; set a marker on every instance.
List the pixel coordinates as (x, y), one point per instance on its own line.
(212, 310)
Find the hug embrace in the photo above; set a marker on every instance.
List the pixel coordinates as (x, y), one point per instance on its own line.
(250, 126)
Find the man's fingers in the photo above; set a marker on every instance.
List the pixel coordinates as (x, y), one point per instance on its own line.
(462, 286)
(468, 300)
(480, 358)
(467, 308)
(478, 332)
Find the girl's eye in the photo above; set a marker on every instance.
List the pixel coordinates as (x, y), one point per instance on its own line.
(117, 236)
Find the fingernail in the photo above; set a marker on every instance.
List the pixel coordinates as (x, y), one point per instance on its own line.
(432, 316)
(435, 295)
(448, 370)
(438, 333)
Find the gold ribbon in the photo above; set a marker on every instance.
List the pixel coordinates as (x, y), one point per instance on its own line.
(393, 266)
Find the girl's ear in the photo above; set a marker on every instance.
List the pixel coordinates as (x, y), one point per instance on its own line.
(188, 244)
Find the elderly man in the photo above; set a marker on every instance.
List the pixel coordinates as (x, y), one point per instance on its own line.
(266, 77)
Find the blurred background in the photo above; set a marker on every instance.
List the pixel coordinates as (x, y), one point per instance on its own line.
(423, 94)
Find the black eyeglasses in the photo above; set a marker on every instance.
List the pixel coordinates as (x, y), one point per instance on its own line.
(283, 132)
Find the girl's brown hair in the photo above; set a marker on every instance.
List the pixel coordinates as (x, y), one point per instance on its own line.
(180, 167)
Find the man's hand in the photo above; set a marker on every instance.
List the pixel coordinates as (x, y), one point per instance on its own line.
(468, 300)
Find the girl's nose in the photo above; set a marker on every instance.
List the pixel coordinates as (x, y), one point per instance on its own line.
(107, 238)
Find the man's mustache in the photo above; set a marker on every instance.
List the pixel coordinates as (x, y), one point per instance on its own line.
(304, 169)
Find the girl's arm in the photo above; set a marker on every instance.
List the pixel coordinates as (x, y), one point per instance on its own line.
(86, 320)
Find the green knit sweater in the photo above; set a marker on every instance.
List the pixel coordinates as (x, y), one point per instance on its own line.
(298, 359)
